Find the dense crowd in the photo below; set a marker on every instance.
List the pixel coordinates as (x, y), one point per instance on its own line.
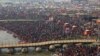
(53, 29)
(34, 11)
(78, 51)
(21, 11)
(49, 24)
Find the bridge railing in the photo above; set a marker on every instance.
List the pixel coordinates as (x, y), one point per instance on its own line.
(48, 43)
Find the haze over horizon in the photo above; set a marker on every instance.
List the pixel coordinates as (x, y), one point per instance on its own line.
(31, 0)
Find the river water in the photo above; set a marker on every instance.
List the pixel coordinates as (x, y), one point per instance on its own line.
(7, 38)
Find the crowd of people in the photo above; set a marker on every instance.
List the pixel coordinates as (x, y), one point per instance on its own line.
(78, 51)
(48, 23)
(53, 28)
(21, 11)
(52, 23)
(35, 11)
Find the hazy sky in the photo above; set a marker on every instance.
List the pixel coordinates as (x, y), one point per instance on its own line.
(62, 0)
(28, 0)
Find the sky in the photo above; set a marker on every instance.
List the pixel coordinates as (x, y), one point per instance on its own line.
(62, 0)
(30, 0)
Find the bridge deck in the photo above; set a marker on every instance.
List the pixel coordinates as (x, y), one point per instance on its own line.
(47, 43)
